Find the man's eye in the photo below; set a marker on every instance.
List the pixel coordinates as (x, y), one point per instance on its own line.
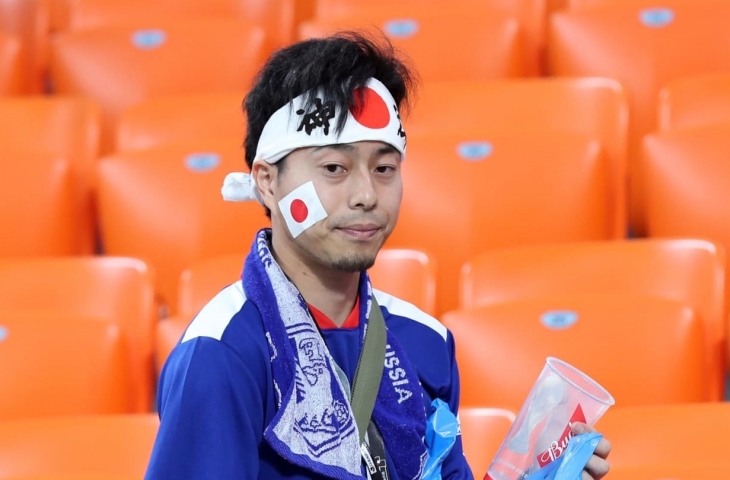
(385, 169)
(334, 168)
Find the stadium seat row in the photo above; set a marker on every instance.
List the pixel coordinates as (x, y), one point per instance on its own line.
(113, 49)
(649, 443)
(660, 303)
(495, 164)
(140, 56)
(677, 441)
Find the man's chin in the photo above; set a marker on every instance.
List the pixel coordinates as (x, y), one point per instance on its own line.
(355, 263)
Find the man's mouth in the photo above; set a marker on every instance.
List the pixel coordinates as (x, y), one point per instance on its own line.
(360, 231)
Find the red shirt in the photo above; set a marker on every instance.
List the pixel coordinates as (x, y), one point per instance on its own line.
(325, 323)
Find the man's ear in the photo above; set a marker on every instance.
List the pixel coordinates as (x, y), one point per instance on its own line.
(264, 174)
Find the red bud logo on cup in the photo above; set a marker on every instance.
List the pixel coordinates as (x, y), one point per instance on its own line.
(558, 446)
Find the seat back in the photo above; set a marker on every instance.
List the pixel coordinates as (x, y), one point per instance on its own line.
(482, 433)
(685, 182)
(57, 364)
(531, 15)
(501, 190)
(275, 16)
(64, 128)
(120, 66)
(694, 101)
(29, 22)
(407, 274)
(11, 71)
(199, 283)
(690, 272)
(656, 45)
(77, 445)
(489, 46)
(179, 118)
(116, 290)
(661, 343)
(164, 205)
(203, 279)
(681, 433)
(593, 107)
(38, 212)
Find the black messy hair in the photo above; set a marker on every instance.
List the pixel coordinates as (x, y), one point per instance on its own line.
(337, 65)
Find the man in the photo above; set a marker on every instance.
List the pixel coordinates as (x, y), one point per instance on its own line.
(262, 382)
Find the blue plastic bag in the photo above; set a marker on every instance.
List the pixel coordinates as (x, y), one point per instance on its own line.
(570, 465)
(442, 428)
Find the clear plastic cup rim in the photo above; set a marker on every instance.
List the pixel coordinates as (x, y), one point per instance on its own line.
(608, 399)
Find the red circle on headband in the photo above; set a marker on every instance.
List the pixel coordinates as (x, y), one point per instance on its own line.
(373, 111)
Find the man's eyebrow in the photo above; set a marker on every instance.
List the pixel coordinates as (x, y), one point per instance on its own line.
(386, 149)
(337, 146)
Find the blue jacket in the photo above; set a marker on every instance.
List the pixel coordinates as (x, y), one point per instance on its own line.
(216, 396)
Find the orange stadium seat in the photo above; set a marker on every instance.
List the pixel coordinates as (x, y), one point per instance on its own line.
(681, 433)
(199, 283)
(408, 274)
(116, 290)
(203, 279)
(59, 16)
(37, 214)
(120, 66)
(169, 332)
(685, 182)
(164, 205)
(179, 118)
(656, 44)
(531, 15)
(482, 433)
(11, 72)
(501, 190)
(690, 272)
(488, 46)
(594, 107)
(501, 348)
(56, 364)
(556, 5)
(694, 101)
(275, 16)
(29, 22)
(75, 446)
(66, 128)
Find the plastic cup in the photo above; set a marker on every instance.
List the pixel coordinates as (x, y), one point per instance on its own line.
(561, 395)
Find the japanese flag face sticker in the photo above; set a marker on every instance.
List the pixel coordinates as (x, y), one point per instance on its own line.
(301, 209)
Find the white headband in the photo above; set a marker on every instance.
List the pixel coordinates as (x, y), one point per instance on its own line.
(291, 128)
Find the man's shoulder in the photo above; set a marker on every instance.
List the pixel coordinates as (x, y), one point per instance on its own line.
(229, 318)
(215, 317)
(413, 317)
(227, 329)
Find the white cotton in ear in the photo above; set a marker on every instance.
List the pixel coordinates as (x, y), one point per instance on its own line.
(240, 187)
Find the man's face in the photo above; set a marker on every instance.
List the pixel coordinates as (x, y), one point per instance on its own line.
(359, 185)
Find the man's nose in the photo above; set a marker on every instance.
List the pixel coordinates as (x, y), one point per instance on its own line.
(362, 191)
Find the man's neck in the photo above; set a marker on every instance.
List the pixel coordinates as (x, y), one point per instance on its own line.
(332, 292)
